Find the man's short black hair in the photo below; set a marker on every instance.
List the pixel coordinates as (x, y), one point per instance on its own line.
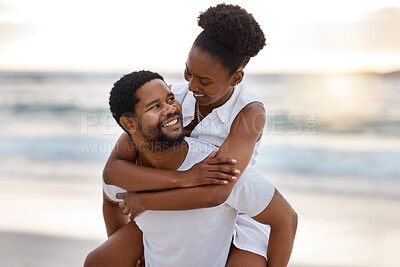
(123, 95)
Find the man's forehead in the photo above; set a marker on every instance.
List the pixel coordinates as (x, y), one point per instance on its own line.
(152, 91)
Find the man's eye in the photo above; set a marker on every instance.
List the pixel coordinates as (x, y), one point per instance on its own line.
(155, 106)
(171, 99)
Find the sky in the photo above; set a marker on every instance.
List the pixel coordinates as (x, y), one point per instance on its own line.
(121, 35)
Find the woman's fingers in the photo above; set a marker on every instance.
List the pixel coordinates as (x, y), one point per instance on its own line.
(223, 169)
(219, 160)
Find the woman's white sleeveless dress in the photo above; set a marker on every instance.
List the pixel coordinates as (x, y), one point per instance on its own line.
(249, 235)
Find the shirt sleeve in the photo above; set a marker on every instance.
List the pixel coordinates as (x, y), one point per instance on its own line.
(111, 191)
(180, 90)
(252, 193)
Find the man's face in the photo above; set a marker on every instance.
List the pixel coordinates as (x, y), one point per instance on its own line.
(159, 116)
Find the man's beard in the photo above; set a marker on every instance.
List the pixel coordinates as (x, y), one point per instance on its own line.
(157, 141)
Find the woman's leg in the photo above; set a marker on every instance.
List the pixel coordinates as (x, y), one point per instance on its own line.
(121, 249)
(242, 258)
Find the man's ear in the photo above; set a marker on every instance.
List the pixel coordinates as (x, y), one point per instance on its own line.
(129, 123)
(237, 77)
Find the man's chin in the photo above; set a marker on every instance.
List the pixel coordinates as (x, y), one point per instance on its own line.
(173, 133)
(176, 138)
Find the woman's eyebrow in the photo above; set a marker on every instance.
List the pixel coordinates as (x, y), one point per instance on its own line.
(201, 77)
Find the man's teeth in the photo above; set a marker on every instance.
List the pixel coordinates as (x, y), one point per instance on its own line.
(197, 95)
(170, 123)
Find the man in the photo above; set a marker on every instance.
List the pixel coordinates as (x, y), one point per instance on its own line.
(197, 237)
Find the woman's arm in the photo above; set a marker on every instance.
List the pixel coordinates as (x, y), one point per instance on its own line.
(120, 170)
(246, 130)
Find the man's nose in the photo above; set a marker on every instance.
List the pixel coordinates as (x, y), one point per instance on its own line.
(169, 109)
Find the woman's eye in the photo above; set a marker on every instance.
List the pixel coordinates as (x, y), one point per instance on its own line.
(205, 84)
(188, 73)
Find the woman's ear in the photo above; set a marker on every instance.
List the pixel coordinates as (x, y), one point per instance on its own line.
(237, 77)
(128, 123)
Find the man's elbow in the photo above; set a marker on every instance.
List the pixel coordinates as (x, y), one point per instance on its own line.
(106, 174)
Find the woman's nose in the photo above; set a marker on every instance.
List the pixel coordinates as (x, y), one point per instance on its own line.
(192, 86)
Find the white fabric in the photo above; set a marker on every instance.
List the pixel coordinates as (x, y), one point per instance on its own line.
(249, 235)
(216, 126)
(199, 237)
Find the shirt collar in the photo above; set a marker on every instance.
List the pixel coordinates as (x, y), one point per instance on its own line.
(188, 107)
(223, 112)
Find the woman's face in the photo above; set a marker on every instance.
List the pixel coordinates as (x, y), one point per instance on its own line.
(208, 79)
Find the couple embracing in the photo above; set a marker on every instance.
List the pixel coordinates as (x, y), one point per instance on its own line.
(182, 171)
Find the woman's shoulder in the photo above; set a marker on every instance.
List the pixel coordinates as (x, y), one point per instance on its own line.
(247, 103)
(245, 96)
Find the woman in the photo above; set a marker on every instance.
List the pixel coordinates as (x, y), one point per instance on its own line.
(219, 110)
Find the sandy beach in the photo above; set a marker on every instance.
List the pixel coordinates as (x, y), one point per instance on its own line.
(57, 223)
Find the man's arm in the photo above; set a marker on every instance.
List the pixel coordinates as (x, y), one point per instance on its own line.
(283, 221)
(120, 170)
(124, 245)
(113, 216)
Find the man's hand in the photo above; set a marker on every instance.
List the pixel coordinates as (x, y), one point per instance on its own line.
(130, 204)
(211, 170)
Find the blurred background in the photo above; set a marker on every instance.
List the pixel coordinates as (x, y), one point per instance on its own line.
(329, 78)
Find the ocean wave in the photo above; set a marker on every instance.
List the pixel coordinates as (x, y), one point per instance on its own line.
(73, 148)
(51, 109)
(314, 161)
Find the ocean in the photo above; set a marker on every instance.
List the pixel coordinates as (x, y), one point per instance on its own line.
(333, 133)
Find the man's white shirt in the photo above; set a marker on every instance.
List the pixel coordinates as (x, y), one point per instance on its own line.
(199, 237)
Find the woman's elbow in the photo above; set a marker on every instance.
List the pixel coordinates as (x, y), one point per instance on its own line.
(217, 196)
(294, 221)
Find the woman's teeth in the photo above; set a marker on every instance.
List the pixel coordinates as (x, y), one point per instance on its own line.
(197, 95)
(170, 123)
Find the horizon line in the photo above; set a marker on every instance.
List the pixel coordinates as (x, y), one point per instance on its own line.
(173, 71)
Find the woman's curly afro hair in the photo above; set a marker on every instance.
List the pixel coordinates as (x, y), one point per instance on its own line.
(233, 27)
(231, 35)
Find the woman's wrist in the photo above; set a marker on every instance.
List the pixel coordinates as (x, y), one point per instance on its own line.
(179, 179)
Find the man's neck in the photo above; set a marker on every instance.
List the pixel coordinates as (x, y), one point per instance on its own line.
(170, 159)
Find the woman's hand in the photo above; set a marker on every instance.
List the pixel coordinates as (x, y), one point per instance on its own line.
(211, 170)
